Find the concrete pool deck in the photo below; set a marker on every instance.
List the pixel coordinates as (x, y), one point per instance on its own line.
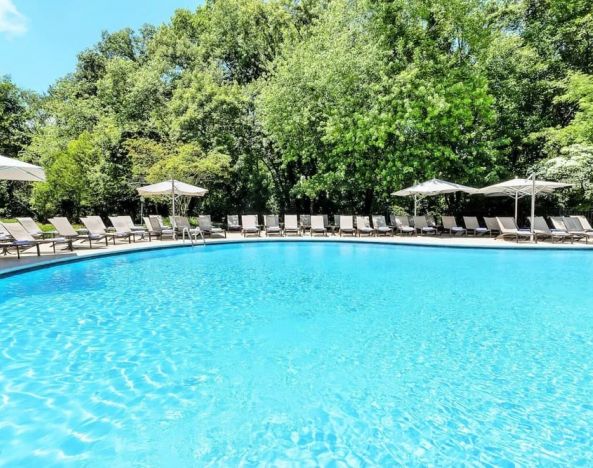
(9, 264)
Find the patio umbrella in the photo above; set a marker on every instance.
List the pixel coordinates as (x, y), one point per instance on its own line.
(172, 188)
(432, 187)
(519, 188)
(13, 169)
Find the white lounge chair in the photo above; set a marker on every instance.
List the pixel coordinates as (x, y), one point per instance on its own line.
(232, 223)
(249, 225)
(508, 228)
(363, 226)
(317, 226)
(492, 225)
(402, 225)
(450, 225)
(346, 225)
(380, 226)
(573, 226)
(291, 225)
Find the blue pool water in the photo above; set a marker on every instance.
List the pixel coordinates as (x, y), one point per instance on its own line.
(303, 353)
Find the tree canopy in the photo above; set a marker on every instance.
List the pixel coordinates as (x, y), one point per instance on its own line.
(312, 105)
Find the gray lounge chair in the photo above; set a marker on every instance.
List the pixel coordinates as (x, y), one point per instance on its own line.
(473, 226)
(122, 226)
(508, 228)
(130, 224)
(291, 225)
(205, 223)
(492, 225)
(544, 232)
(421, 226)
(380, 226)
(232, 223)
(96, 227)
(183, 226)
(402, 225)
(66, 230)
(32, 228)
(363, 226)
(305, 222)
(346, 225)
(23, 240)
(156, 229)
(317, 226)
(272, 225)
(584, 222)
(574, 227)
(450, 226)
(249, 225)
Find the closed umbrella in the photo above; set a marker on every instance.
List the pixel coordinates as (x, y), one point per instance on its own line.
(13, 169)
(432, 187)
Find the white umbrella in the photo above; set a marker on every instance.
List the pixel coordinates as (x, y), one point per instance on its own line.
(172, 188)
(13, 169)
(519, 188)
(432, 187)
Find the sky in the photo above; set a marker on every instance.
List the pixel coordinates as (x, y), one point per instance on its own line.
(40, 39)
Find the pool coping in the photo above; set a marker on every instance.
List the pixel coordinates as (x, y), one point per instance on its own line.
(52, 262)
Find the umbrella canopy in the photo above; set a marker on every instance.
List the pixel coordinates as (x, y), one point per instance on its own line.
(519, 188)
(13, 169)
(171, 187)
(432, 187)
(522, 187)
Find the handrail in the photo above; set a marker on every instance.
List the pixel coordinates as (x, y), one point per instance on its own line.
(189, 236)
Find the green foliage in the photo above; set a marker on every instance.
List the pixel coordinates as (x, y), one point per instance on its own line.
(311, 105)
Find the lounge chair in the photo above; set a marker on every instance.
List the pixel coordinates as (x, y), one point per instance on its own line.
(508, 228)
(23, 240)
(317, 226)
(96, 227)
(232, 223)
(305, 222)
(291, 225)
(122, 227)
(574, 227)
(492, 225)
(130, 224)
(363, 226)
(32, 228)
(380, 226)
(66, 231)
(250, 226)
(346, 226)
(402, 225)
(450, 226)
(421, 226)
(543, 231)
(272, 225)
(472, 225)
(584, 223)
(156, 229)
(205, 223)
(183, 225)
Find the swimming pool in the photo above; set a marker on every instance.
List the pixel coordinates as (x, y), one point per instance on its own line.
(300, 352)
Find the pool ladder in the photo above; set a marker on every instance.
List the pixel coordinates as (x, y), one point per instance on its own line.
(189, 236)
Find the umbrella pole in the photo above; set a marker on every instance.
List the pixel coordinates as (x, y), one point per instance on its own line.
(532, 224)
(415, 205)
(173, 210)
(516, 206)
